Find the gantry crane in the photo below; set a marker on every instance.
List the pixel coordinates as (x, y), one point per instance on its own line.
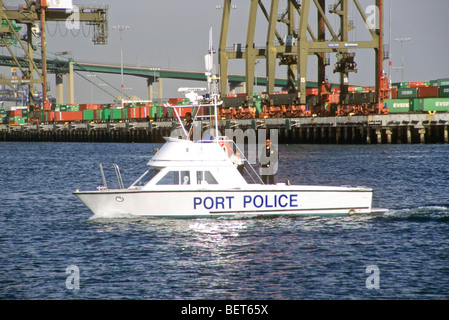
(34, 15)
(304, 39)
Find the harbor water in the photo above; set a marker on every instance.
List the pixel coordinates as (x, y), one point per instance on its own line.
(47, 233)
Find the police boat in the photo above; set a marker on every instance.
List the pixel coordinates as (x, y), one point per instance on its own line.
(188, 178)
(191, 177)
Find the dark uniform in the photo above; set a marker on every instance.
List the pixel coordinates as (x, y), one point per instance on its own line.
(267, 171)
(188, 124)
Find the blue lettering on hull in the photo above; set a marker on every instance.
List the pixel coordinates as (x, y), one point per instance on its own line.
(267, 201)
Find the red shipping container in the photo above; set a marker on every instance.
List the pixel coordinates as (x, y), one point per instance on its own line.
(173, 101)
(68, 115)
(131, 113)
(90, 107)
(15, 113)
(183, 111)
(415, 84)
(138, 112)
(428, 92)
(394, 93)
(144, 112)
(334, 98)
(49, 116)
(311, 91)
(335, 90)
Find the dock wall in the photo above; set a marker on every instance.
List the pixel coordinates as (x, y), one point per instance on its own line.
(371, 129)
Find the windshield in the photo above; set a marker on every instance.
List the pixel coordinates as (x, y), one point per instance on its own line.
(145, 178)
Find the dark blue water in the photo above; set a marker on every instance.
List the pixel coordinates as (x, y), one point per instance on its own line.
(44, 229)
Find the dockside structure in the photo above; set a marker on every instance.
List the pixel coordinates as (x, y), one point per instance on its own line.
(370, 129)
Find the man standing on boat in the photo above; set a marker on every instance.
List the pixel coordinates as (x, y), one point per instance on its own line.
(268, 162)
(188, 124)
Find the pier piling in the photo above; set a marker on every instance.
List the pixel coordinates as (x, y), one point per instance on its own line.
(379, 129)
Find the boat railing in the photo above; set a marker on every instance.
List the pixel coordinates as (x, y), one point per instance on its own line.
(117, 174)
(247, 167)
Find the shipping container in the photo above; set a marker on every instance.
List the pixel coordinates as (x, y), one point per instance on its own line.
(16, 120)
(105, 114)
(166, 112)
(48, 116)
(415, 84)
(427, 92)
(15, 113)
(89, 106)
(443, 82)
(138, 112)
(404, 93)
(443, 92)
(435, 104)
(68, 116)
(398, 105)
(116, 114)
(67, 107)
(394, 93)
(88, 115)
(416, 104)
(311, 91)
(399, 85)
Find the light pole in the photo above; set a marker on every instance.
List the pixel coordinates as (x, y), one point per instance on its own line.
(121, 28)
(402, 40)
(90, 75)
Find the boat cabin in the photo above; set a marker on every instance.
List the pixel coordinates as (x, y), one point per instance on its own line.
(184, 164)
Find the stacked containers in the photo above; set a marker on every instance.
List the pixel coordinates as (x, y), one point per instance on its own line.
(138, 112)
(404, 93)
(68, 116)
(3, 115)
(398, 105)
(443, 92)
(17, 116)
(424, 92)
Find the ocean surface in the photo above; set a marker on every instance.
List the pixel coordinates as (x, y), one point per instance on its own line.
(51, 248)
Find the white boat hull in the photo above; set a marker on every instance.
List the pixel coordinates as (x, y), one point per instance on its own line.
(286, 200)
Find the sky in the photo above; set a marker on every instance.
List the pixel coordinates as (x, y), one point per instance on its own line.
(174, 34)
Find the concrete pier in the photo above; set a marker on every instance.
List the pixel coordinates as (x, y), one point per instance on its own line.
(372, 129)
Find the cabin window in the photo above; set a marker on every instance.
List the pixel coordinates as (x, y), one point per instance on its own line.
(175, 178)
(205, 177)
(145, 178)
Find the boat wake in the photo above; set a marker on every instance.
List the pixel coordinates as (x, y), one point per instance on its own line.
(421, 214)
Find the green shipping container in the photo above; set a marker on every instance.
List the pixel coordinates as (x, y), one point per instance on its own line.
(154, 111)
(17, 119)
(73, 107)
(416, 104)
(116, 114)
(443, 92)
(398, 105)
(88, 115)
(404, 93)
(435, 104)
(399, 85)
(443, 82)
(105, 114)
(169, 112)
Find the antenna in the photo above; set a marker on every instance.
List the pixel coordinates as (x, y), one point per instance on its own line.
(210, 67)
